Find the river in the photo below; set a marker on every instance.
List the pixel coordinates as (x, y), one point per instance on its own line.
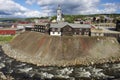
(25, 71)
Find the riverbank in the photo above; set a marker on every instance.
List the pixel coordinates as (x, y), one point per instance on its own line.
(43, 50)
(11, 69)
(86, 61)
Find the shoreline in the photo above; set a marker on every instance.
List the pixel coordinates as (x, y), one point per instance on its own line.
(86, 61)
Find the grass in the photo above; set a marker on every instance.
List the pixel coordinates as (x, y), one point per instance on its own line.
(5, 39)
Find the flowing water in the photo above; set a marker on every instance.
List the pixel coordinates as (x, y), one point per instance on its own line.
(24, 71)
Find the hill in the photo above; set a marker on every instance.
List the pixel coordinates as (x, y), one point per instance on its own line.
(36, 48)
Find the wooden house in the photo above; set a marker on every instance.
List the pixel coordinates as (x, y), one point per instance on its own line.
(41, 27)
(64, 28)
(118, 25)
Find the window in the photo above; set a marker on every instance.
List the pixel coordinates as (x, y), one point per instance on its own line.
(75, 33)
(53, 29)
(58, 32)
(87, 29)
(53, 32)
(56, 29)
(80, 33)
(80, 29)
(70, 29)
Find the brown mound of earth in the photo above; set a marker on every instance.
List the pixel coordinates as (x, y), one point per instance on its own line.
(36, 48)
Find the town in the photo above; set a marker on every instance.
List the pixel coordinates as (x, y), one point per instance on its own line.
(59, 27)
(64, 41)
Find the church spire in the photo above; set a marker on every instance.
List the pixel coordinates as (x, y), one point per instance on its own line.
(59, 8)
(59, 14)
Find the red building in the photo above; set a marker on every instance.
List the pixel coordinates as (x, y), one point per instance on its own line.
(7, 32)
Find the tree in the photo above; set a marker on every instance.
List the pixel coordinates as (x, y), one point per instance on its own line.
(94, 19)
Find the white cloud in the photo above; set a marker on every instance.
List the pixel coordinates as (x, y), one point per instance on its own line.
(9, 8)
(30, 2)
(110, 7)
(34, 14)
(79, 6)
(70, 6)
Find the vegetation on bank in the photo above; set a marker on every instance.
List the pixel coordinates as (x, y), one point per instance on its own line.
(5, 39)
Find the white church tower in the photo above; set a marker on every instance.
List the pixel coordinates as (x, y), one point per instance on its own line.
(59, 14)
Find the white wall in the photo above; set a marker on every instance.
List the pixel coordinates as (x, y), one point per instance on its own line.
(55, 33)
(20, 27)
(97, 34)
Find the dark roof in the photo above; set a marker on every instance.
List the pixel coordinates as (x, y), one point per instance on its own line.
(41, 24)
(30, 24)
(6, 24)
(58, 25)
(62, 24)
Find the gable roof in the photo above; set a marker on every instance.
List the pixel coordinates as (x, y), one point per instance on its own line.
(62, 24)
(58, 25)
(80, 25)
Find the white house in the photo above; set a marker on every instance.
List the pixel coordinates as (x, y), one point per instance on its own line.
(55, 32)
(22, 26)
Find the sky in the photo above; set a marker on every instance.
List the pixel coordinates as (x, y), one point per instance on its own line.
(41, 8)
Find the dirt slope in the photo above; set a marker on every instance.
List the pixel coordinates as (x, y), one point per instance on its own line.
(41, 49)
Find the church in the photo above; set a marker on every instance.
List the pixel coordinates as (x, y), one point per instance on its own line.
(61, 28)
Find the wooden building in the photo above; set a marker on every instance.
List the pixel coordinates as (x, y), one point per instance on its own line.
(118, 25)
(27, 27)
(63, 28)
(7, 31)
(67, 30)
(116, 35)
(6, 25)
(105, 32)
(37, 21)
(41, 27)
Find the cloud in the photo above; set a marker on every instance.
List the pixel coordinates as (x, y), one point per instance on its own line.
(9, 8)
(30, 2)
(31, 14)
(111, 7)
(78, 6)
(70, 6)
